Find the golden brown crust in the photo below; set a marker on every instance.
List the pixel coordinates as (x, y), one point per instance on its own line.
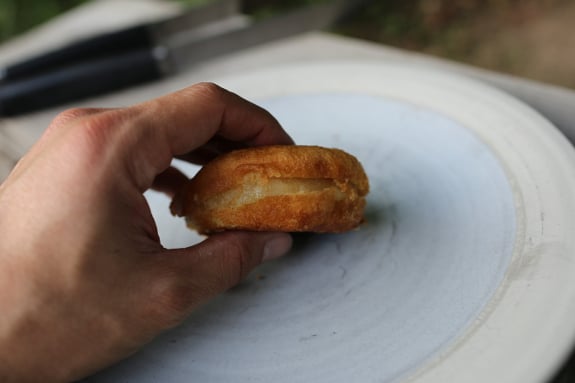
(276, 188)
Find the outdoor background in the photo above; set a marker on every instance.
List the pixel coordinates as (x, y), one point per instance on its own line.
(529, 38)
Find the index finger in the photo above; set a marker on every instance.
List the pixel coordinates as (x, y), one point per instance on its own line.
(180, 122)
(197, 113)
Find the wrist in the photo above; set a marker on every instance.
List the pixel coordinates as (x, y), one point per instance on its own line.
(27, 331)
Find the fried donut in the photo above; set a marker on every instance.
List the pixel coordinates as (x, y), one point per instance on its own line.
(276, 188)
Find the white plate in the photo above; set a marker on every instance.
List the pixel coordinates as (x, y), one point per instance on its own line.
(462, 273)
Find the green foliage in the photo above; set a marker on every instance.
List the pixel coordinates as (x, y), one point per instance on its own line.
(17, 16)
(193, 3)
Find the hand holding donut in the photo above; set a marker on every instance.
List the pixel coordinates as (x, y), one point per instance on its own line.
(84, 280)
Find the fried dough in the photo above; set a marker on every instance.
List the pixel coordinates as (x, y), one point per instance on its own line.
(276, 188)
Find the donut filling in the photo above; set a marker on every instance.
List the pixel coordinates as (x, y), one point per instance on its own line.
(251, 192)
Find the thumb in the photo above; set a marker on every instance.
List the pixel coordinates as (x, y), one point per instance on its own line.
(220, 262)
(224, 259)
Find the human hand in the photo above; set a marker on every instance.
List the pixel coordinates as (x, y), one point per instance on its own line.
(84, 280)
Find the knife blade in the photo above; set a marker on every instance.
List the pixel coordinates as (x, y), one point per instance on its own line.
(64, 84)
(140, 36)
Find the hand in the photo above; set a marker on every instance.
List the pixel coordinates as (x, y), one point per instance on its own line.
(84, 280)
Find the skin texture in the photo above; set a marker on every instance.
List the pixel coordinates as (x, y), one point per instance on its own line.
(84, 280)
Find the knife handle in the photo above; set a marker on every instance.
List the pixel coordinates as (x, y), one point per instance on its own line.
(80, 81)
(133, 38)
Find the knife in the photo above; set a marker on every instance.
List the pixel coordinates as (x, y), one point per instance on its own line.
(141, 36)
(170, 47)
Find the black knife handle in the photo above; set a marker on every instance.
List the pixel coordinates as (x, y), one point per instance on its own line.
(133, 38)
(79, 81)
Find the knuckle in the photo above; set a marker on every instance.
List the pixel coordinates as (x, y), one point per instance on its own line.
(208, 87)
(208, 90)
(234, 262)
(68, 116)
(74, 113)
(71, 115)
(168, 302)
(97, 131)
(97, 127)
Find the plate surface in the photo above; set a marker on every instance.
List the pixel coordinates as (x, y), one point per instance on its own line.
(462, 271)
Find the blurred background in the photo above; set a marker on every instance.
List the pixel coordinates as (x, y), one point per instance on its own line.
(528, 38)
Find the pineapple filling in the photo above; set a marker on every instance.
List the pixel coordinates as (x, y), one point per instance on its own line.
(251, 192)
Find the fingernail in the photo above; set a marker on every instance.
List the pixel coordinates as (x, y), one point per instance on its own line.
(277, 246)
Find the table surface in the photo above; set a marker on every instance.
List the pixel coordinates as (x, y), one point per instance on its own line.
(17, 135)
